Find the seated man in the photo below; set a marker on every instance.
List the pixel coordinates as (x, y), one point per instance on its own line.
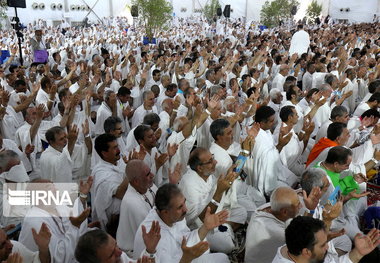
(12, 170)
(170, 211)
(248, 198)
(57, 161)
(315, 182)
(338, 160)
(12, 249)
(65, 230)
(265, 169)
(98, 246)
(202, 190)
(110, 183)
(306, 241)
(136, 204)
(266, 229)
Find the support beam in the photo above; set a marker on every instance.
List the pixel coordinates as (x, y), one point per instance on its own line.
(110, 7)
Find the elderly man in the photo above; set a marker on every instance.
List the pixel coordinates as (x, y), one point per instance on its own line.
(170, 211)
(202, 190)
(246, 196)
(136, 203)
(265, 231)
(306, 241)
(110, 183)
(57, 161)
(12, 170)
(147, 107)
(315, 182)
(275, 102)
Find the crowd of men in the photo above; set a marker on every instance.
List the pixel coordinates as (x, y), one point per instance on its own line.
(207, 147)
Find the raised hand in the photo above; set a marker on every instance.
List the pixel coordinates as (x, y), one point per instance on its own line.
(175, 175)
(213, 102)
(330, 212)
(85, 128)
(375, 138)
(172, 149)
(127, 112)
(160, 160)
(29, 148)
(190, 100)
(191, 253)
(140, 155)
(225, 182)
(364, 244)
(214, 220)
(77, 221)
(5, 95)
(36, 87)
(151, 238)
(284, 136)
(254, 130)
(42, 238)
(85, 186)
(73, 133)
(311, 201)
(40, 111)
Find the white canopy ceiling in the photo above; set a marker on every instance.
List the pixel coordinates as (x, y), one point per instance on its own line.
(353, 10)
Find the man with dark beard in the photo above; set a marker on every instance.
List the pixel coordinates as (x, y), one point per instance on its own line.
(306, 241)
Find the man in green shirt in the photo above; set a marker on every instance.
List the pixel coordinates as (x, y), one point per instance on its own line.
(338, 160)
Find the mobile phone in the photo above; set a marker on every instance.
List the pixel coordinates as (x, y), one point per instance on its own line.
(334, 196)
(240, 161)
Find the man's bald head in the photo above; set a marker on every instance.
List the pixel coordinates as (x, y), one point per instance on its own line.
(282, 197)
(134, 168)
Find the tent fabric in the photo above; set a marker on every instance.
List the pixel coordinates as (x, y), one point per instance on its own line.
(358, 11)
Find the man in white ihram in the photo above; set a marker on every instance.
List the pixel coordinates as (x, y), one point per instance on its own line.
(170, 211)
(300, 42)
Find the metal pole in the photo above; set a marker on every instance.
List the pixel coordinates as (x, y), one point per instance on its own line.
(19, 36)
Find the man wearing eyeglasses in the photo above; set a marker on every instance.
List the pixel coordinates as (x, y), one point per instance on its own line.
(136, 204)
(202, 189)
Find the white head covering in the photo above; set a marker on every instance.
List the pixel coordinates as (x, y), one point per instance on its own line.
(16, 174)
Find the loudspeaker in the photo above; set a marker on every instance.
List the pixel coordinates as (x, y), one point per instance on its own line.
(227, 10)
(294, 10)
(16, 3)
(134, 11)
(219, 11)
